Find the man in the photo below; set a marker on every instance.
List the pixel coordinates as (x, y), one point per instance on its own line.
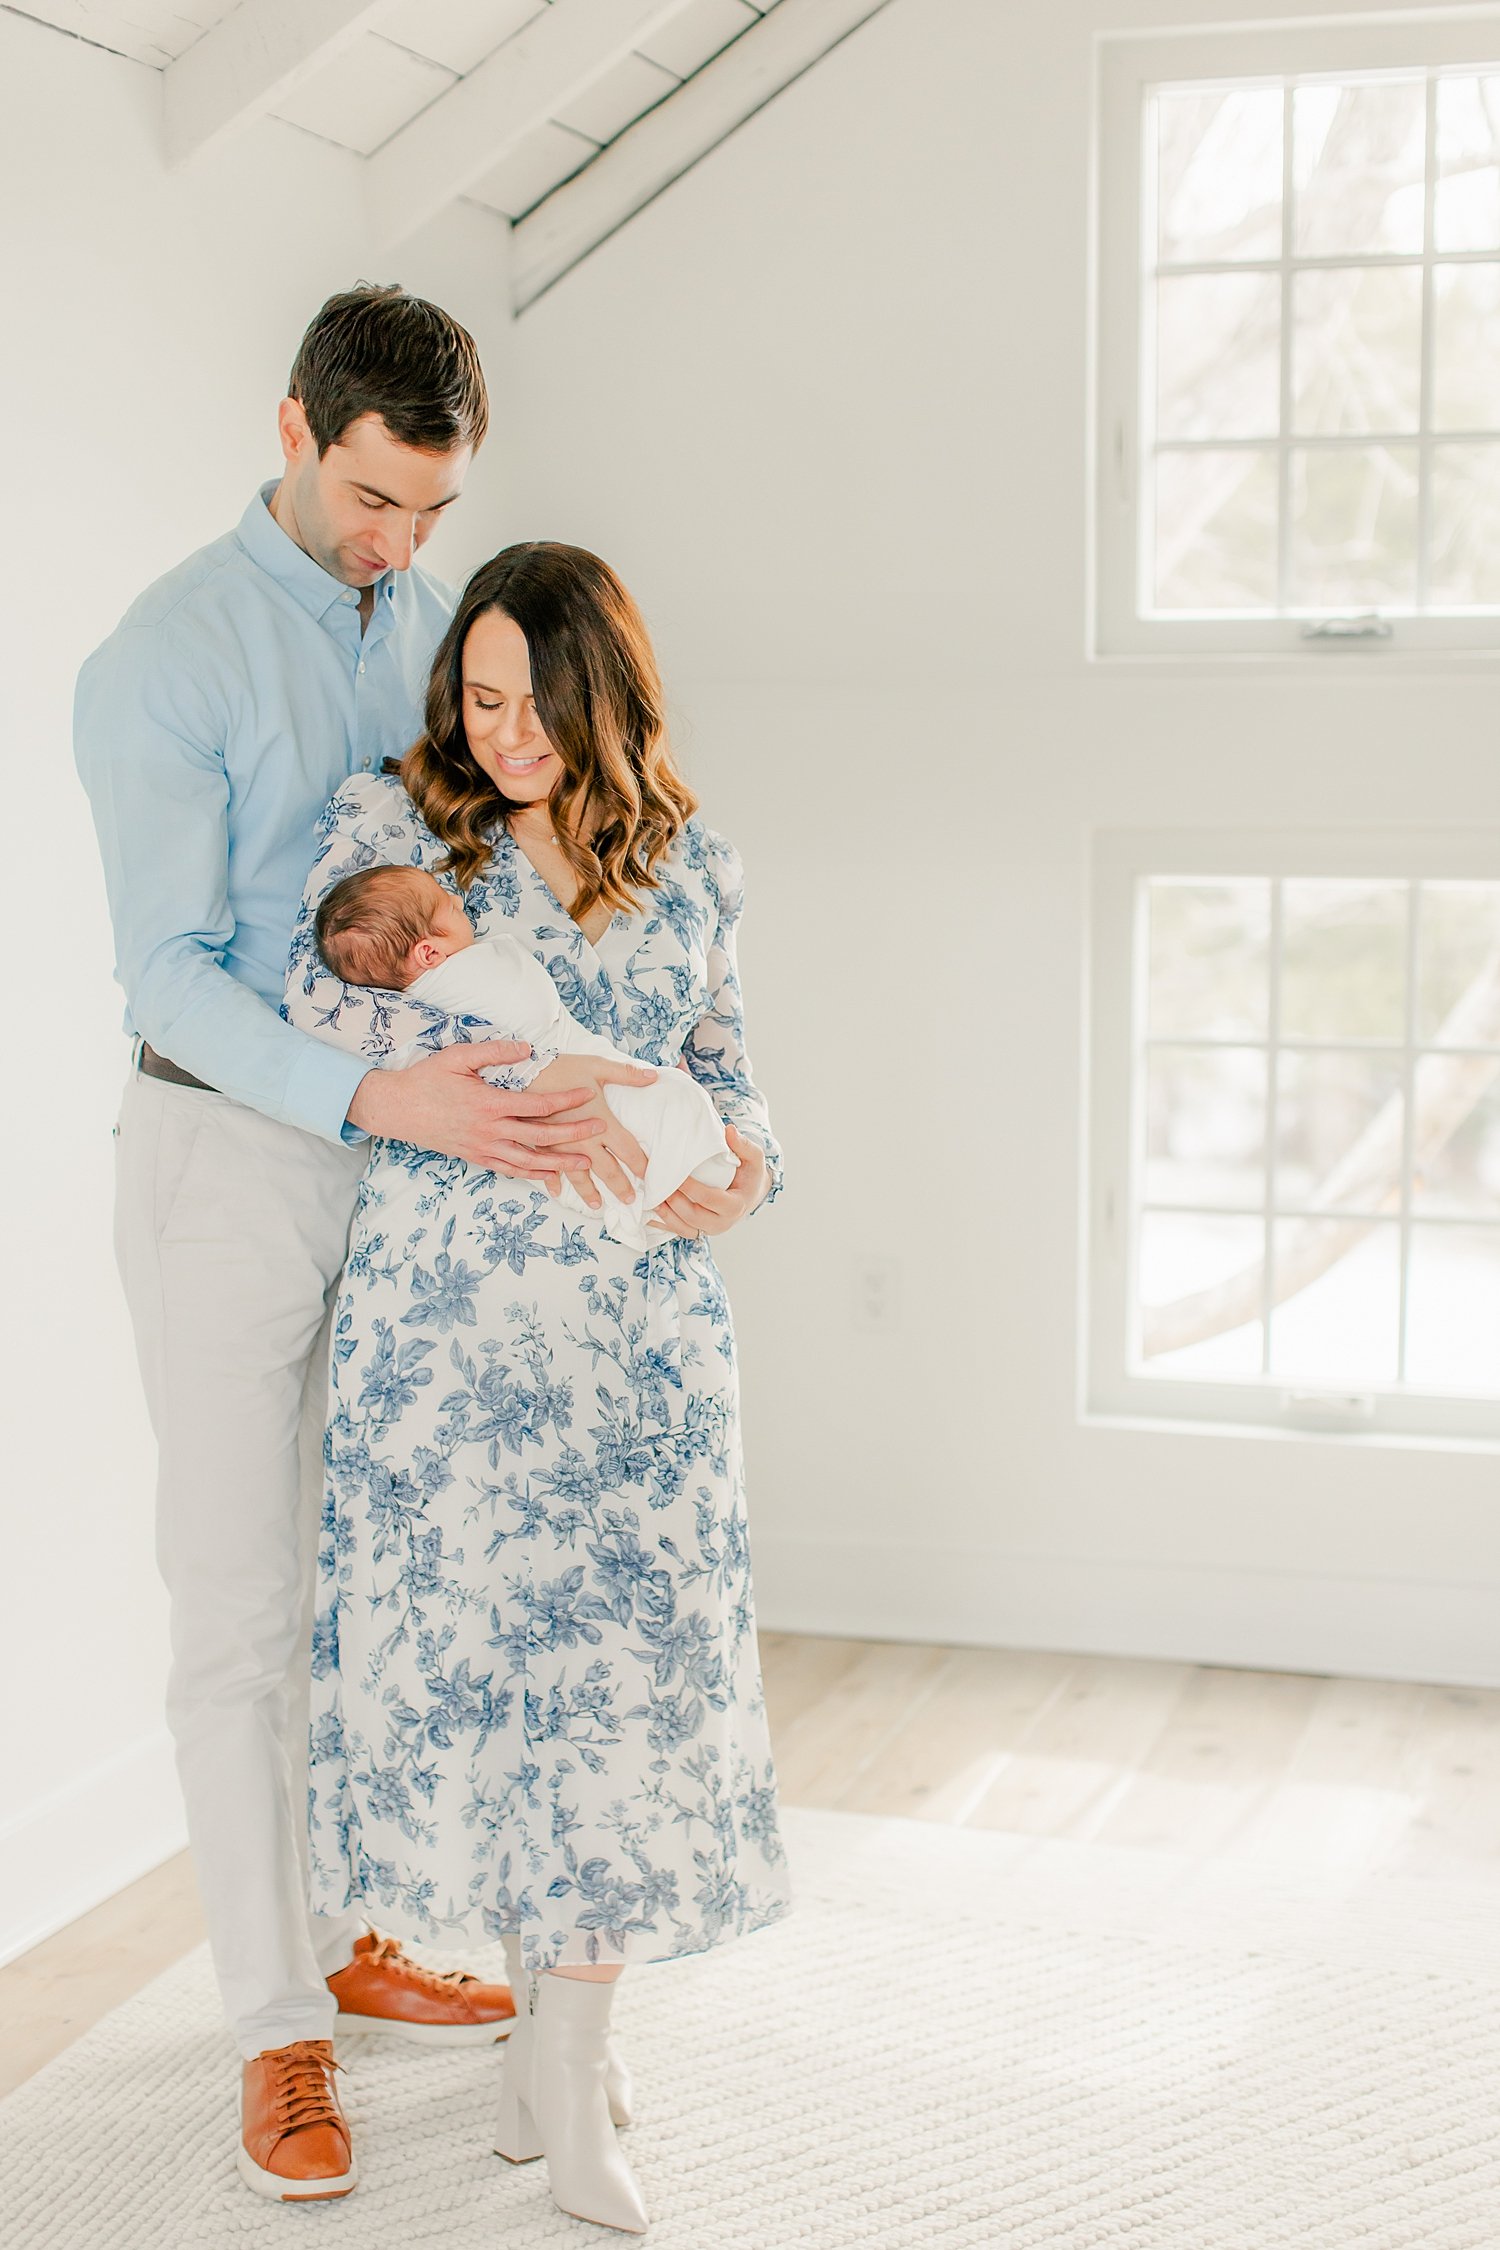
(235, 697)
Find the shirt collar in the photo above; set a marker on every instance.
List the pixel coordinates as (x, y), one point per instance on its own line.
(278, 554)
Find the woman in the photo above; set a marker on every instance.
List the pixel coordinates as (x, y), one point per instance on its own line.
(537, 1706)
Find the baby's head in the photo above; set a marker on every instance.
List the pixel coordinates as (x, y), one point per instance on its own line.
(387, 926)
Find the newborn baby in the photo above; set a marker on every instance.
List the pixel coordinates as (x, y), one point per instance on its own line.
(397, 928)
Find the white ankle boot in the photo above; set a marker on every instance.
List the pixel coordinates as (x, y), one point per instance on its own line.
(617, 2084)
(618, 2091)
(554, 2102)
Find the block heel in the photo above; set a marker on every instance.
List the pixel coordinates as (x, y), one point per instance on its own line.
(516, 2136)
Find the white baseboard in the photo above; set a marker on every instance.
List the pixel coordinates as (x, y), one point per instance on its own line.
(1373, 1628)
(87, 1841)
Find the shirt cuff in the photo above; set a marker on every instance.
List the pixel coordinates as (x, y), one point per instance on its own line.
(320, 1089)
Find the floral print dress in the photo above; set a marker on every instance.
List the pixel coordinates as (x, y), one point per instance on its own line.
(537, 1703)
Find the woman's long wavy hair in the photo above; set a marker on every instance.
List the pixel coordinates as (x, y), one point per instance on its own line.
(620, 801)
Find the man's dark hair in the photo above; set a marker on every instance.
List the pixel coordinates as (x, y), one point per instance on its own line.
(374, 350)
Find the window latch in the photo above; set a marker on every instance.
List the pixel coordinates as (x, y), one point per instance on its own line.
(1370, 627)
(1329, 1410)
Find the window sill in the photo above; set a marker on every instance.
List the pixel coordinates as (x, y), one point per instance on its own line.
(1342, 664)
(1378, 1441)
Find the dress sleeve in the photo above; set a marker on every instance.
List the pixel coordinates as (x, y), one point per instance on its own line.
(715, 1048)
(366, 825)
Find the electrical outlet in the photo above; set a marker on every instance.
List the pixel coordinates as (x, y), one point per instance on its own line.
(877, 1294)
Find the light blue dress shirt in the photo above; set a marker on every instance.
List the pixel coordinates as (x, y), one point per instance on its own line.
(211, 729)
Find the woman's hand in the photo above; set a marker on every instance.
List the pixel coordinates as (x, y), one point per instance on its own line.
(613, 1155)
(697, 1209)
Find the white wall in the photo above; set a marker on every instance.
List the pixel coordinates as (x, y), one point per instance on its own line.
(150, 321)
(824, 404)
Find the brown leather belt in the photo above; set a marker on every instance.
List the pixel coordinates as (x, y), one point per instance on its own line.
(153, 1065)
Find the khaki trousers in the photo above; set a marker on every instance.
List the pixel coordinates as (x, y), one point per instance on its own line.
(230, 1231)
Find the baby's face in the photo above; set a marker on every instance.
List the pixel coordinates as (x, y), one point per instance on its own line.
(448, 927)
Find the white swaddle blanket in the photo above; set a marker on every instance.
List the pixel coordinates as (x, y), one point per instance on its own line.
(499, 981)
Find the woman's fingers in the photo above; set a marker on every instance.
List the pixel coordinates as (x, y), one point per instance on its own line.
(679, 1216)
(621, 1074)
(523, 1163)
(708, 1202)
(539, 1105)
(578, 1134)
(607, 1169)
(749, 1155)
(490, 1054)
(626, 1148)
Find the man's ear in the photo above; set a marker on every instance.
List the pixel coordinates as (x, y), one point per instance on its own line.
(297, 440)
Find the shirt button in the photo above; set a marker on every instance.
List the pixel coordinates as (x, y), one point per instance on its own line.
(365, 763)
(361, 663)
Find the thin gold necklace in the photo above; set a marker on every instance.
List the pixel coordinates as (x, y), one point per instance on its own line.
(552, 839)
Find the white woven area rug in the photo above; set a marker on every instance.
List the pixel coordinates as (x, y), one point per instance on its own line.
(960, 2038)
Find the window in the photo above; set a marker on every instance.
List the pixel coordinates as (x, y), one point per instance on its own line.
(1296, 1150)
(1299, 367)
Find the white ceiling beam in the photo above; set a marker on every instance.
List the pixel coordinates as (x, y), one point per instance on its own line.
(468, 130)
(249, 62)
(670, 139)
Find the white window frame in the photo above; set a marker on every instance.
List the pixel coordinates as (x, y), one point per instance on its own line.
(1123, 862)
(1121, 296)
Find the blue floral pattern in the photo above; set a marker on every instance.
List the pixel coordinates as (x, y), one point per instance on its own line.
(537, 1703)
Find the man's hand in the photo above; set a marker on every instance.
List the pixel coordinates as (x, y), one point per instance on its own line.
(613, 1156)
(441, 1103)
(698, 1209)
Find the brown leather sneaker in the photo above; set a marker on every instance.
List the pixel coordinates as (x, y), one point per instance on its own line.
(294, 2144)
(383, 1989)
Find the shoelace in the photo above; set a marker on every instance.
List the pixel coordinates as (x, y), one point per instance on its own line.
(301, 2089)
(389, 1949)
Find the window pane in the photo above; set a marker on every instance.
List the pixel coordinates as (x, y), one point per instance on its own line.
(1466, 347)
(1453, 1308)
(1219, 174)
(1343, 959)
(1463, 556)
(1456, 1164)
(1218, 355)
(1354, 527)
(1200, 1276)
(1328, 1145)
(1357, 350)
(1458, 999)
(1208, 976)
(1206, 1126)
(1216, 530)
(1467, 212)
(1358, 166)
(1341, 1289)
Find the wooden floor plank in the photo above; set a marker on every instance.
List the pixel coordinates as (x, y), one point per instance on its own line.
(799, 1668)
(1225, 1744)
(54, 1992)
(1455, 1828)
(1070, 1769)
(1352, 1787)
(822, 1751)
(944, 1753)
